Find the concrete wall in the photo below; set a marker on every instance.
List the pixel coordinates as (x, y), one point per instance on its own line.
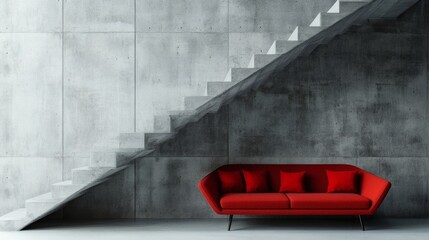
(30, 100)
(74, 73)
(361, 99)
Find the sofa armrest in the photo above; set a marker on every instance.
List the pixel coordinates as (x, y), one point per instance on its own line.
(374, 188)
(210, 189)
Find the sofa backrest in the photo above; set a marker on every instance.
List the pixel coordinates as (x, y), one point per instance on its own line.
(315, 174)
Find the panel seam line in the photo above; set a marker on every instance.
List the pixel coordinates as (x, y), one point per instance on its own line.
(62, 90)
(135, 104)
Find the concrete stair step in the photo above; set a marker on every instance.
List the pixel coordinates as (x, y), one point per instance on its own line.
(193, 102)
(216, 88)
(166, 123)
(131, 140)
(282, 46)
(38, 205)
(86, 175)
(65, 189)
(260, 60)
(303, 33)
(114, 157)
(349, 6)
(238, 74)
(13, 220)
(153, 139)
(327, 19)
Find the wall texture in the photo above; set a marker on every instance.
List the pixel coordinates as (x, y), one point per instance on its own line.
(74, 73)
(360, 99)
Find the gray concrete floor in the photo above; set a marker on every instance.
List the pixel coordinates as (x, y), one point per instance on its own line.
(260, 229)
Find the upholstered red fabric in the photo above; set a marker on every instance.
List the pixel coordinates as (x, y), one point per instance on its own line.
(370, 187)
(211, 190)
(341, 181)
(256, 181)
(315, 174)
(292, 182)
(231, 181)
(254, 201)
(295, 212)
(328, 201)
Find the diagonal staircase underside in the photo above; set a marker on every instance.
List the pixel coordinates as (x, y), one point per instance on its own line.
(128, 147)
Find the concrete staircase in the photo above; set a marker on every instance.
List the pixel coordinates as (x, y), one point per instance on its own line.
(323, 20)
(104, 163)
(127, 147)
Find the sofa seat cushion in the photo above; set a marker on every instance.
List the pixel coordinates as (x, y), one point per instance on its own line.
(328, 201)
(254, 201)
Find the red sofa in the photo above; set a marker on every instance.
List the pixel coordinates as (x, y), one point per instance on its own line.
(371, 190)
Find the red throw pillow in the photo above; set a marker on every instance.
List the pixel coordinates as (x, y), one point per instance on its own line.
(292, 182)
(341, 181)
(231, 181)
(256, 181)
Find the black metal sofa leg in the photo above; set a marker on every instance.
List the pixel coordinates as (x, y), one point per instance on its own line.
(361, 223)
(230, 221)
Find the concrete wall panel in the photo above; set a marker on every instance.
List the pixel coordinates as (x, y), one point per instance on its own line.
(292, 160)
(207, 137)
(98, 89)
(182, 16)
(30, 16)
(171, 66)
(111, 199)
(409, 190)
(370, 164)
(30, 94)
(99, 16)
(273, 15)
(168, 187)
(26, 177)
(409, 184)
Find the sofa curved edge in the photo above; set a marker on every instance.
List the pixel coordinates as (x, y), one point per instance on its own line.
(377, 205)
(208, 193)
(374, 188)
